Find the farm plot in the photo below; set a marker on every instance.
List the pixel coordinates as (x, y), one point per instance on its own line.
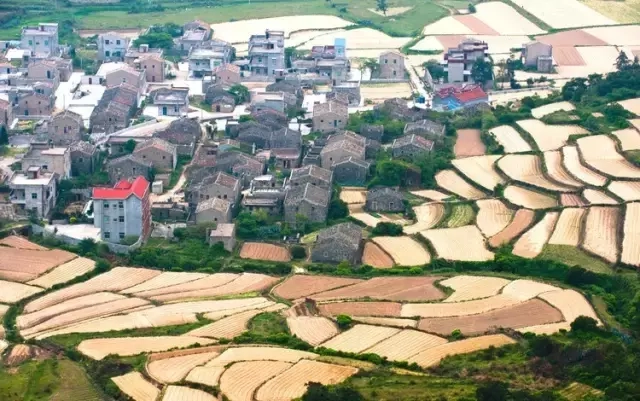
(405, 344)
(555, 169)
(468, 143)
(65, 272)
(259, 353)
(26, 264)
(360, 38)
(493, 216)
(18, 354)
(247, 282)
(528, 169)
(600, 234)
(572, 200)
(262, 251)
(467, 288)
(578, 391)
(521, 220)
(386, 321)
(136, 386)
(210, 281)
(461, 215)
(599, 153)
(383, 91)
(480, 169)
(463, 243)
(300, 285)
(568, 228)
(311, 329)
(617, 35)
(14, 241)
(359, 338)
(547, 109)
(447, 26)
(505, 19)
(629, 139)
(165, 279)
(564, 13)
(631, 105)
(550, 137)
(452, 182)
(571, 304)
(631, 242)
(292, 383)
(547, 329)
(595, 197)
(627, 190)
(433, 356)
(181, 393)
(374, 256)
(530, 244)
(510, 139)
(430, 194)
(528, 313)
(527, 198)
(405, 251)
(428, 215)
(353, 196)
(13, 292)
(388, 288)
(232, 326)
(98, 348)
(209, 376)
(360, 309)
(172, 370)
(242, 379)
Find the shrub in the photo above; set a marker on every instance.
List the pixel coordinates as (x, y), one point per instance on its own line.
(344, 321)
(387, 229)
(298, 252)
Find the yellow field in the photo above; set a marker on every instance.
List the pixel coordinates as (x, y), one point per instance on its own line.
(463, 243)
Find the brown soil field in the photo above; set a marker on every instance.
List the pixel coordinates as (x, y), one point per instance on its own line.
(405, 344)
(359, 338)
(522, 219)
(98, 348)
(528, 198)
(431, 194)
(260, 353)
(601, 232)
(493, 216)
(404, 250)
(531, 243)
(524, 290)
(467, 288)
(547, 136)
(480, 170)
(452, 182)
(26, 264)
(576, 37)
(464, 243)
(629, 139)
(571, 161)
(360, 309)
(312, 329)
(476, 25)
(14, 241)
(627, 190)
(262, 251)
(241, 380)
(165, 279)
(209, 376)
(631, 242)
(568, 56)
(173, 370)
(300, 285)
(468, 143)
(550, 108)
(247, 282)
(428, 215)
(555, 169)
(232, 326)
(463, 308)
(292, 383)
(13, 292)
(18, 354)
(572, 200)
(434, 355)
(510, 139)
(387, 321)
(571, 304)
(136, 386)
(181, 393)
(388, 288)
(528, 313)
(528, 169)
(65, 272)
(374, 256)
(599, 153)
(547, 329)
(568, 227)
(210, 281)
(595, 197)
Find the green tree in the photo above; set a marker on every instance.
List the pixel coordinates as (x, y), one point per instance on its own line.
(481, 71)
(298, 252)
(382, 6)
(338, 209)
(622, 61)
(385, 228)
(344, 321)
(372, 65)
(436, 70)
(4, 137)
(471, 8)
(130, 146)
(240, 93)
(492, 391)
(159, 40)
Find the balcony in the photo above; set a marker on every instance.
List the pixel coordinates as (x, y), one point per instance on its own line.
(17, 197)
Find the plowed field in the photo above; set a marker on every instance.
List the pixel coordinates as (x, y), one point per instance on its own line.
(599, 153)
(568, 227)
(359, 338)
(521, 220)
(467, 288)
(360, 309)
(572, 200)
(311, 329)
(98, 348)
(165, 279)
(404, 250)
(493, 216)
(549, 137)
(301, 285)
(386, 321)
(556, 170)
(209, 376)
(595, 197)
(65, 272)
(388, 288)
(374, 256)
(13, 292)
(480, 169)
(242, 379)
(629, 139)
(530, 244)
(462, 243)
(451, 181)
(428, 216)
(571, 303)
(247, 282)
(14, 241)
(434, 355)
(262, 251)
(231, 326)
(468, 143)
(211, 281)
(631, 242)
(180, 393)
(405, 344)
(627, 190)
(260, 354)
(26, 264)
(528, 169)
(574, 166)
(527, 198)
(542, 111)
(173, 370)
(136, 386)
(600, 234)
(510, 139)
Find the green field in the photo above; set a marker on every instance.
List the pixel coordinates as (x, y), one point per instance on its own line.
(461, 215)
(573, 256)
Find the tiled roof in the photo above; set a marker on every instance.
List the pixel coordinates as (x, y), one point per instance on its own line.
(68, 113)
(356, 149)
(330, 106)
(348, 233)
(131, 157)
(413, 139)
(156, 143)
(380, 191)
(229, 67)
(183, 131)
(310, 193)
(354, 160)
(223, 230)
(82, 146)
(226, 180)
(123, 189)
(313, 171)
(218, 204)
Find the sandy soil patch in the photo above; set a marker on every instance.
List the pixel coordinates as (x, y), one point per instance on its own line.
(360, 38)
(568, 228)
(353, 196)
(547, 109)
(391, 11)
(599, 153)
(556, 170)
(447, 26)
(497, 98)
(165, 279)
(14, 241)
(172, 370)
(467, 288)
(65, 272)
(631, 105)
(529, 313)
(550, 137)
(493, 216)
(527, 198)
(480, 170)
(232, 326)
(452, 182)
(242, 379)
(240, 31)
(476, 25)
(617, 35)
(386, 321)
(374, 256)
(13, 292)
(405, 344)
(564, 13)
(571, 161)
(209, 376)
(547, 329)
(385, 91)
(262, 251)
(468, 143)
(434, 355)
(629, 139)
(26, 264)
(18, 354)
(572, 200)
(360, 309)
(437, 43)
(301, 285)
(311, 329)
(510, 139)
(136, 386)
(627, 190)
(359, 338)
(431, 194)
(571, 303)
(464, 243)
(405, 251)
(292, 383)
(521, 220)
(259, 353)
(523, 289)
(210, 281)
(531, 243)
(600, 233)
(594, 197)
(505, 19)
(428, 216)
(576, 37)
(388, 288)
(98, 348)
(631, 241)
(528, 169)
(181, 393)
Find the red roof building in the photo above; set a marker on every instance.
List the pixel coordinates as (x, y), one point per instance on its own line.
(455, 97)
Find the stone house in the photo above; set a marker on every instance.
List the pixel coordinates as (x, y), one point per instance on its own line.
(43, 70)
(286, 158)
(285, 138)
(534, 52)
(64, 67)
(271, 118)
(242, 166)
(351, 171)
(221, 185)
(115, 109)
(84, 158)
(330, 116)
(308, 200)
(213, 209)
(112, 46)
(335, 244)
(161, 154)
(153, 66)
(410, 146)
(127, 75)
(251, 133)
(392, 65)
(224, 233)
(6, 112)
(171, 101)
(196, 25)
(384, 199)
(272, 206)
(227, 74)
(342, 148)
(184, 133)
(48, 159)
(313, 175)
(291, 87)
(126, 167)
(372, 131)
(278, 101)
(65, 128)
(33, 104)
(399, 109)
(425, 128)
(223, 103)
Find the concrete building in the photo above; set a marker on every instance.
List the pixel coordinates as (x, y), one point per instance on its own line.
(6, 112)
(278, 101)
(539, 55)
(161, 154)
(391, 65)
(330, 116)
(224, 233)
(65, 128)
(112, 46)
(41, 41)
(266, 53)
(33, 104)
(48, 159)
(123, 210)
(204, 59)
(133, 54)
(33, 191)
(126, 75)
(458, 61)
(213, 210)
(452, 98)
(171, 101)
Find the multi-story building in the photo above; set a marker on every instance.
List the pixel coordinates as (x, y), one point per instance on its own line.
(266, 53)
(539, 55)
(458, 61)
(41, 40)
(208, 56)
(48, 159)
(392, 65)
(112, 46)
(124, 210)
(33, 191)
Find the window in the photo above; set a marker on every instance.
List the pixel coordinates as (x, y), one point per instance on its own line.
(106, 205)
(395, 61)
(105, 219)
(121, 205)
(144, 156)
(46, 43)
(386, 61)
(107, 235)
(107, 53)
(118, 42)
(45, 167)
(121, 219)
(106, 42)
(133, 170)
(65, 129)
(31, 43)
(34, 195)
(121, 235)
(80, 160)
(164, 157)
(224, 196)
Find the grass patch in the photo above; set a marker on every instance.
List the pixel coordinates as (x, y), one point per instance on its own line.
(268, 324)
(74, 384)
(461, 215)
(578, 391)
(34, 380)
(572, 256)
(177, 172)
